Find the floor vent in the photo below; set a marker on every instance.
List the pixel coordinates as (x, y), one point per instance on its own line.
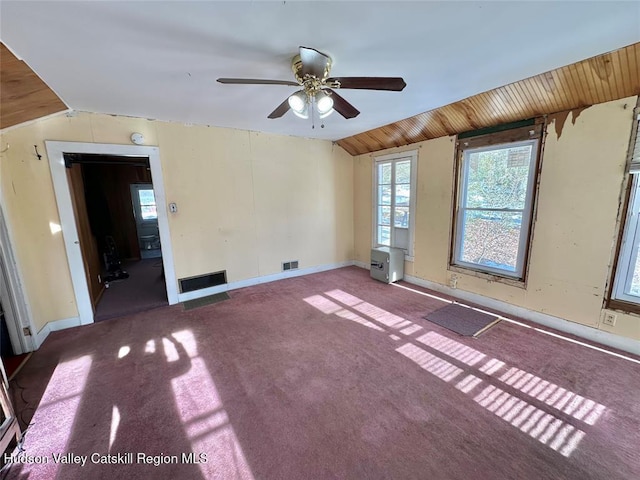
(293, 265)
(199, 282)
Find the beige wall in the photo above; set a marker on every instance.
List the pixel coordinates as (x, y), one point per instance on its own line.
(247, 201)
(575, 231)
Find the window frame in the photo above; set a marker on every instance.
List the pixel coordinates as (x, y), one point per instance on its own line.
(630, 231)
(141, 205)
(626, 220)
(529, 134)
(137, 204)
(412, 156)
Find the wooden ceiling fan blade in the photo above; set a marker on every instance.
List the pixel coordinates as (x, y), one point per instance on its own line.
(280, 109)
(394, 84)
(343, 107)
(314, 62)
(256, 81)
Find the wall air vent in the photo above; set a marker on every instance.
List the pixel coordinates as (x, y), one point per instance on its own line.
(199, 282)
(292, 265)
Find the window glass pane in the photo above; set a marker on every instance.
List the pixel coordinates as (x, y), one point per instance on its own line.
(148, 212)
(384, 195)
(491, 239)
(384, 215)
(401, 217)
(384, 235)
(633, 285)
(403, 194)
(498, 178)
(403, 172)
(146, 197)
(147, 204)
(384, 173)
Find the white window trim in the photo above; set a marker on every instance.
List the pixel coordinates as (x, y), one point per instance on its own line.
(630, 242)
(526, 213)
(413, 156)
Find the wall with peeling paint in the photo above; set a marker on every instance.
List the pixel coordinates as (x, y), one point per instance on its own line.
(575, 232)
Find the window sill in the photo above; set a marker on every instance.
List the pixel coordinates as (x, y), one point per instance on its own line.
(491, 277)
(623, 307)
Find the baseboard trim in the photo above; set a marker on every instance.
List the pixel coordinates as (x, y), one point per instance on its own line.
(183, 297)
(54, 326)
(557, 323)
(366, 266)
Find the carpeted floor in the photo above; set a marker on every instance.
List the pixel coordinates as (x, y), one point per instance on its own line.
(13, 363)
(143, 290)
(331, 375)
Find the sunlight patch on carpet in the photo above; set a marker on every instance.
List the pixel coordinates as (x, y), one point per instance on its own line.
(203, 416)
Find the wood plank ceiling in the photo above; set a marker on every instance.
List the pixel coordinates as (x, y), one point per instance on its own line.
(23, 95)
(599, 79)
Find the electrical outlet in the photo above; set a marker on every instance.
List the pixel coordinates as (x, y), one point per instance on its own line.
(609, 319)
(453, 281)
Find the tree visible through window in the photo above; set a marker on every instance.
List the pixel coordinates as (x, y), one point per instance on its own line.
(494, 207)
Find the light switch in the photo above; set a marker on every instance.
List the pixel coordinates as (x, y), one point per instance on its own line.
(173, 208)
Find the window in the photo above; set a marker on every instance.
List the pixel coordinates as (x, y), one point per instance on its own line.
(496, 187)
(394, 206)
(147, 205)
(626, 284)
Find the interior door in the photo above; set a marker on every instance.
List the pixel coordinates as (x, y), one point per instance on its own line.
(88, 242)
(146, 214)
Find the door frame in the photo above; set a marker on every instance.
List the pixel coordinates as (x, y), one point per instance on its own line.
(55, 152)
(12, 295)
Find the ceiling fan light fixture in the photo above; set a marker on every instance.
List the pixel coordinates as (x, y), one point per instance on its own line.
(326, 114)
(298, 102)
(324, 103)
(304, 113)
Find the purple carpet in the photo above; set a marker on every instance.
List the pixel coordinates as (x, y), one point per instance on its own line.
(143, 290)
(332, 375)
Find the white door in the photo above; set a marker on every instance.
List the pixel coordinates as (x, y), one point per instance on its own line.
(146, 214)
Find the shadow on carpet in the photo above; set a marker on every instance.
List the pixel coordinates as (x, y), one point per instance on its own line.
(201, 302)
(462, 320)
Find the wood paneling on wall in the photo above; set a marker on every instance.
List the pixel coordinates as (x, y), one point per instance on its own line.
(111, 211)
(23, 95)
(600, 79)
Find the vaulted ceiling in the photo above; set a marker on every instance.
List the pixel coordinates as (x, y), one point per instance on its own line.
(466, 64)
(23, 95)
(598, 79)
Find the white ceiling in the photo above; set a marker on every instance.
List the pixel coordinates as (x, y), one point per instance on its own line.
(160, 60)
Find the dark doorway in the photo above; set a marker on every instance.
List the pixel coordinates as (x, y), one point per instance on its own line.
(119, 235)
(12, 362)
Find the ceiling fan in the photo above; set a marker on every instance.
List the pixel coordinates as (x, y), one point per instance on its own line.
(311, 69)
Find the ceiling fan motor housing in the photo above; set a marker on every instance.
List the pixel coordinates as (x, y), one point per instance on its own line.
(296, 66)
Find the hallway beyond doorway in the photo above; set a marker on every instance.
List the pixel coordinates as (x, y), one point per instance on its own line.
(143, 290)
